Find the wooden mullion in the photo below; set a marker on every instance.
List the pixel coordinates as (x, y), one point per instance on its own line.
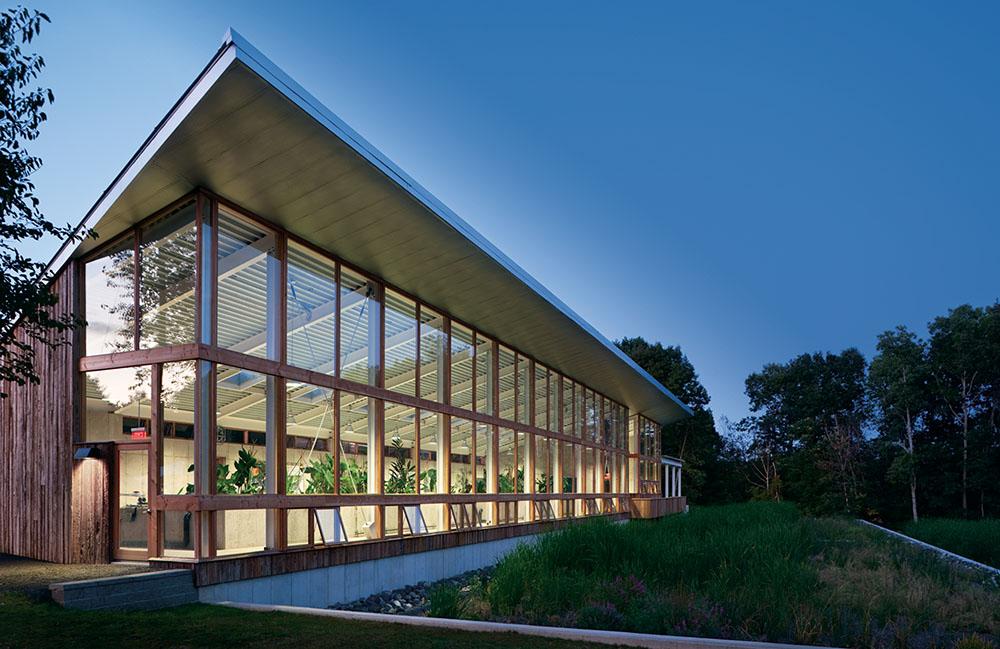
(155, 458)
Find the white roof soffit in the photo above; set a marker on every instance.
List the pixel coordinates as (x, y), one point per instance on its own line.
(245, 130)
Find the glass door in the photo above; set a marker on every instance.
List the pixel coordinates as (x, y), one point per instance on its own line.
(131, 501)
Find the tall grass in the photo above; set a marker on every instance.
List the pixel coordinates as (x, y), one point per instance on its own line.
(753, 571)
(976, 540)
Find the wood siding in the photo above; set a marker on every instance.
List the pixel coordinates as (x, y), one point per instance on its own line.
(657, 507)
(37, 426)
(91, 517)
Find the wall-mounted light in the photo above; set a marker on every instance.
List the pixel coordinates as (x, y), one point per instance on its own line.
(87, 453)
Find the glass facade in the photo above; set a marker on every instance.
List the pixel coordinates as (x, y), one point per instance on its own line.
(334, 387)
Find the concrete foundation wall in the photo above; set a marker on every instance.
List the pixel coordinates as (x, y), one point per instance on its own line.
(140, 592)
(325, 587)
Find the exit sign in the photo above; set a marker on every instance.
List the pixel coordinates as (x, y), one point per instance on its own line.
(139, 433)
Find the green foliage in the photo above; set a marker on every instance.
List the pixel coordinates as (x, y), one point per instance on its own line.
(711, 471)
(758, 571)
(508, 484)
(353, 477)
(428, 481)
(446, 601)
(402, 473)
(25, 297)
(976, 540)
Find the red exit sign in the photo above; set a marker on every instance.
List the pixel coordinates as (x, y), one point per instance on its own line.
(139, 433)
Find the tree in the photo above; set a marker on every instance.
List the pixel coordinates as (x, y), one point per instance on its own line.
(897, 381)
(708, 473)
(810, 414)
(959, 370)
(25, 298)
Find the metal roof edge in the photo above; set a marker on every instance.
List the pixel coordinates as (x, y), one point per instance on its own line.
(268, 70)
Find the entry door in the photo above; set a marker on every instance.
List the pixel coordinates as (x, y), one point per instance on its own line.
(130, 502)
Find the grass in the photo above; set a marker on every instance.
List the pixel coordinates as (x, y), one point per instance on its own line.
(978, 540)
(757, 571)
(28, 623)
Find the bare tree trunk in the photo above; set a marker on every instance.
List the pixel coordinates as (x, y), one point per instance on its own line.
(913, 468)
(965, 459)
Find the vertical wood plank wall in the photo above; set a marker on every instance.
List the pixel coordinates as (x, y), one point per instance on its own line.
(36, 448)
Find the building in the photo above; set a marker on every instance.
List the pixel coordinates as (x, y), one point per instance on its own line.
(296, 356)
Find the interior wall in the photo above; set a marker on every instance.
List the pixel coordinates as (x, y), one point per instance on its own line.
(37, 427)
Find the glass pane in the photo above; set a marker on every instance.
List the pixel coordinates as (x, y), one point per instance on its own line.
(247, 291)
(177, 393)
(567, 406)
(508, 474)
(484, 375)
(579, 406)
(554, 394)
(431, 461)
(133, 501)
(400, 473)
(238, 531)
(568, 459)
(241, 440)
(309, 453)
(484, 457)
(432, 347)
(167, 250)
(541, 396)
(523, 390)
(358, 324)
(400, 343)
(354, 436)
(521, 460)
(110, 300)
(118, 404)
(543, 473)
(461, 366)
(506, 379)
(312, 309)
(461, 455)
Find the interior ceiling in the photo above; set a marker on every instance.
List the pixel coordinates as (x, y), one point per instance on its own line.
(248, 142)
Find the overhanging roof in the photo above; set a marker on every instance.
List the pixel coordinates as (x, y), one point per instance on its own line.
(248, 132)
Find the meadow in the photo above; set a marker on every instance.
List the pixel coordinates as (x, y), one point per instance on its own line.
(755, 571)
(978, 540)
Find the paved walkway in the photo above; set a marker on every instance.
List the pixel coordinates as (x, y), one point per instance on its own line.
(33, 577)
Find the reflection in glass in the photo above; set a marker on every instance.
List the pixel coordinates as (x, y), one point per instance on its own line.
(461, 366)
(110, 300)
(309, 453)
(433, 343)
(167, 249)
(118, 404)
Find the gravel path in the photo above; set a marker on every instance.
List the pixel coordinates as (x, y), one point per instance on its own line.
(33, 577)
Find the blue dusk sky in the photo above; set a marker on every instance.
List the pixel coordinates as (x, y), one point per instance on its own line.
(748, 180)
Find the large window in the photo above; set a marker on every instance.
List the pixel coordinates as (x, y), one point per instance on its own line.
(433, 345)
(462, 476)
(110, 300)
(541, 396)
(310, 455)
(484, 375)
(524, 380)
(359, 330)
(311, 298)
(506, 379)
(400, 472)
(508, 478)
(248, 277)
(461, 366)
(356, 432)
(400, 343)
(118, 404)
(167, 251)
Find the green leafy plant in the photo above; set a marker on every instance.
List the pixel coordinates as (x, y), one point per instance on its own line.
(461, 484)
(508, 484)
(428, 480)
(353, 477)
(320, 476)
(402, 473)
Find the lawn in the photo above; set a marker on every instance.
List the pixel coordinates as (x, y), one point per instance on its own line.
(978, 540)
(28, 623)
(757, 571)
